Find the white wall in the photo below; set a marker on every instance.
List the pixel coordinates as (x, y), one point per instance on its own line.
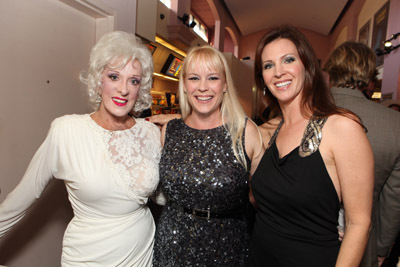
(44, 45)
(242, 74)
(125, 12)
(146, 19)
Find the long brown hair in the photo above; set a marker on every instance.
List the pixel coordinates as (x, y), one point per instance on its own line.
(317, 98)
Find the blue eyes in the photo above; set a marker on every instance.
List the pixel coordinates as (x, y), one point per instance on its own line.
(267, 66)
(286, 60)
(211, 78)
(289, 60)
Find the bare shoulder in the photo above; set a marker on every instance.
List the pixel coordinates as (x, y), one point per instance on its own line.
(251, 128)
(253, 139)
(342, 133)
(267, 129)
(342, 126)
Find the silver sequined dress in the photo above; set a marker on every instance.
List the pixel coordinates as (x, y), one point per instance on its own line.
(199, 170)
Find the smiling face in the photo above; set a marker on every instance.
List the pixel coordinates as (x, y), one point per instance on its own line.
(205, 89)
(120, 87)
(283, 72)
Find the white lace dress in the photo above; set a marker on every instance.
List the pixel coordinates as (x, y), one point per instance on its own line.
(109, 177)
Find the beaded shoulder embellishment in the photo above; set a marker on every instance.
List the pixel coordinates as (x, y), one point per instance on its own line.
(311, 138)
(273, 137)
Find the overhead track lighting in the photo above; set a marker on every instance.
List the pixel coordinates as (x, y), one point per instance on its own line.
(192, 24)
(185, 21)
(184, 18)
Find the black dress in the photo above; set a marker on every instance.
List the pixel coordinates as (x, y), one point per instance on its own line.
(199, 170)
(296, 222)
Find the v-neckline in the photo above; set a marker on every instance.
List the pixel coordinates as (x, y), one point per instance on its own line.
(287, 155)
(275, 136)
(312, 136)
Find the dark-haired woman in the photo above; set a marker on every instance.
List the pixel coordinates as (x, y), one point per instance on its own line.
(318, 159)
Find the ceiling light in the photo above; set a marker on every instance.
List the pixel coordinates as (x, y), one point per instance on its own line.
(388, 44)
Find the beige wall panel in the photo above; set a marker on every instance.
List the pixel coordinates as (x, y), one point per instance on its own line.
(342, 37)
(44, 45)
(146, 19)
(242, 75)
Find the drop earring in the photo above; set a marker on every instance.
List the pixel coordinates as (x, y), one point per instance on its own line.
(98, 98)
(265, 90)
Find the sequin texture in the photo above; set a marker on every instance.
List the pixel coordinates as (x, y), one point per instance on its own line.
(199, 170)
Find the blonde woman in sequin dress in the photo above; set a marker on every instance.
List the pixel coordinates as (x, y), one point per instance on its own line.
(108, 160)
(318, 159)
(207, 157)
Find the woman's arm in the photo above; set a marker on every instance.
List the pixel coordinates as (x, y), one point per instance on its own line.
(254, 149)
(354, 164)
(253, 145)
(162, 119)
(265, 132)
(159, 196)
(34, 181)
